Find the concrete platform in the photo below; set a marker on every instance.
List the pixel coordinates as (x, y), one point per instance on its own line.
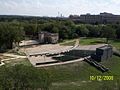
(28, 42)
(89, 47)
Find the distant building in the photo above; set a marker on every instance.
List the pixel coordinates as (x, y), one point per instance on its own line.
(46, 37)
(102, 18)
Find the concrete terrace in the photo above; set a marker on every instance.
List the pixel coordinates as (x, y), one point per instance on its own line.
(37, 54)
(49, 48)
(89, 47)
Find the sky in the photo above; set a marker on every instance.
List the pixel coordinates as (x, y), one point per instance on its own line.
(52, 7)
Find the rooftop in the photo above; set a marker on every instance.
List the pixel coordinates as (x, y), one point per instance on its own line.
(105, 47)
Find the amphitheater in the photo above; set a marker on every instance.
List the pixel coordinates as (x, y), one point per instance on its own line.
(43, 55)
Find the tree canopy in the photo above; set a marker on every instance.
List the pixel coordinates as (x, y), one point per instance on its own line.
(108, 32)
(20, 77)
(15, 31)
(10, 33)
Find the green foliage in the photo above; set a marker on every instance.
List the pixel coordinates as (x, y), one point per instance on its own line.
(30, 29)
(82, 30)
(118, 31)
(16, 30)
(92, 41)
(108, 32)
(20, 77)
(94, 30)
(10, 33)
(76, 76)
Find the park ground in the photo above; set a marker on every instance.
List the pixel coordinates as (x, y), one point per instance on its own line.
(93, 41)
(76, 76)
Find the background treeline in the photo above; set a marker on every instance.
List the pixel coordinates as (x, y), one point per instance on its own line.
(14, 31)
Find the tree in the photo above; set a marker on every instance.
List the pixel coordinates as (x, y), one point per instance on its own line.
(20, 77)
(94, 30)
(55, 30)
(108, 32)
(82, 30)
(10, 33)
(19, 34)
(117, 28)
(48, 27)
(63, 32)
(30, 30)
(118, 31)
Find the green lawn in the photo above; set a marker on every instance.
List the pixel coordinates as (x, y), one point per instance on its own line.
(68, 43)
(116, 43)
(91, 41)
(84, 41)
(76, 76)
(94, 41)
(18, 61)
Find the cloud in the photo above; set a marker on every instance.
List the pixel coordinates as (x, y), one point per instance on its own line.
(52, 7)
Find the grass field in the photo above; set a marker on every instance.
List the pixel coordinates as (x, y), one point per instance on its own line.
(76, 76)
(116, 43)
(92, 41)
(68, 42)
(18, 61)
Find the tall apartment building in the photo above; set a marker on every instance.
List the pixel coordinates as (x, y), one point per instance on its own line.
(102, 18)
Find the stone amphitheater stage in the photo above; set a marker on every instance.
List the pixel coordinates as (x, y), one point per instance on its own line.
(38, 52)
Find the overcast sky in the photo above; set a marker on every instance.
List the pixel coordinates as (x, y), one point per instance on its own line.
(52, 7)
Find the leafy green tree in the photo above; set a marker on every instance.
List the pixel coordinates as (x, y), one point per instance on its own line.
(10, 33)
(31, 30)
(118, 31)
(68, 23)
(48, 27)
(82, 31)
(108, 32)
(64, 32)
(55, 29)
(94, 30)
(20, 77)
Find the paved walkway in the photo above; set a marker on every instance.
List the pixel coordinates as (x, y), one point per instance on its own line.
(63, 63)
(28, 42)
(2, 64)
(77, 43)
(13, 57)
